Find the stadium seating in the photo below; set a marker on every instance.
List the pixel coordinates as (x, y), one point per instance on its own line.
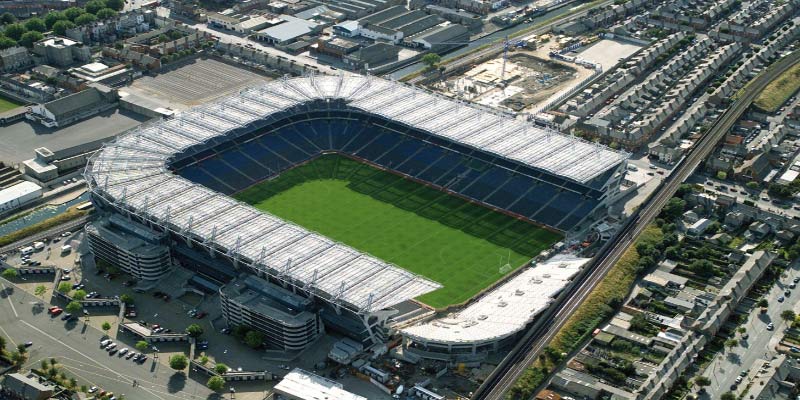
(537, 195)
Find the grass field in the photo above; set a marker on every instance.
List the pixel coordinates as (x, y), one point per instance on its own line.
(447, 239)
(778, 91)
(8, 104)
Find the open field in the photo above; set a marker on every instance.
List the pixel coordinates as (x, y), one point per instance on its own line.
(8, 104)
(459, 244)
(779, 90)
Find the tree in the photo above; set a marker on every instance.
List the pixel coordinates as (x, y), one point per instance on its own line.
(64, 287)
(431, 60)
(194, 330)
(215, 383)
(722, 175)
(6, 42)
(106, 326)
(763, 302)
(788, 315)
(35, 24)
(702, 381)
(17, 358)
(45, 365)
(141, 346)
(702, 267)
(178, 362)
(2, 343)
(21, 348)
(7, 18)
(94, 6)
(10, 273)
(742, 330)
(40, 290)
(673, 209)
(85, 19)
(52, 17)
(29, 38)
(73, 382)
(14, 31)
(73, 13)
(117, 5)
(106, 13)
(126, 298)
(731, 343)
(204, 359)
(220, 368)
(254, 339)
(53, 362)
(728, 396)
(79, 295)
(752, 185)
(240, 331)
(60, 27)
(74, 307)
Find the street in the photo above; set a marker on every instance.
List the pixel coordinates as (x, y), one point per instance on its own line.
(760, 344)
(23, 317)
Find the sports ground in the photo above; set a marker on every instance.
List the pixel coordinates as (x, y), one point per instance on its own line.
(8, 104)
(464, 246)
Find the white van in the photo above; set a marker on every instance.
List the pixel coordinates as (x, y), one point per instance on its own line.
(26, 250)
(38, 246)
(66, 249)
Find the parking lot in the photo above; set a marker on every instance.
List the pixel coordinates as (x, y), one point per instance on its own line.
(20, 138)
(192, 82)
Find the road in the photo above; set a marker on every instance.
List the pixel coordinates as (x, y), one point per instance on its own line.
(73, 225)
(724, 369)
(540, 334)
(228, 37)
(559, 16)
(77, 347)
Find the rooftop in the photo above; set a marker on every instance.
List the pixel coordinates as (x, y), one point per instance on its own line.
(305, 385)
(506, 309)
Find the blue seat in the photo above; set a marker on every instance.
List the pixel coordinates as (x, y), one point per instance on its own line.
(225, 173)
(400, 153)
(197, 175)
(243, 163)
(279, 146)
(511, 191)
(423, 159)
(486, 183)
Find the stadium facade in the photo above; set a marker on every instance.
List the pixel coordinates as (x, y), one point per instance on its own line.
(176, 176)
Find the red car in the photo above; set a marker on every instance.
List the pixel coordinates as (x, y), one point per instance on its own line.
(56, 311)
(201, 315)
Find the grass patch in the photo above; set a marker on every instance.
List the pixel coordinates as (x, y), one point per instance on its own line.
(778, 91)
(597, 307)
(445, 238)
(8, 104)
(68, 215)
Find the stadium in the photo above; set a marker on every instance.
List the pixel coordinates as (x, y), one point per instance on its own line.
(181, 177)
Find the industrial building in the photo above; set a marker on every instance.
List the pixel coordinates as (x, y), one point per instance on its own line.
(75, 107)
(303, 385)
(18, 195)
(174, 177)
(139, 252)
(286, 319)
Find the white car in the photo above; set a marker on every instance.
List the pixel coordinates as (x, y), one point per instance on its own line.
(92, 389)
(123, 351)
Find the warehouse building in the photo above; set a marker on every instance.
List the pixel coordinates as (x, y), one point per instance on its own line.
(135, 249)
(18, 195)
(286, 319)
(287, 32)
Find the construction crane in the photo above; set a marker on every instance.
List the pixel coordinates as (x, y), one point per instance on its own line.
(506, 45)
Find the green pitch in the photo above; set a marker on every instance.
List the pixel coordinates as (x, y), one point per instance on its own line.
(463, 246)
(8, 104)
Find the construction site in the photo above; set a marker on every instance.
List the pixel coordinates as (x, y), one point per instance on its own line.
(532, 74)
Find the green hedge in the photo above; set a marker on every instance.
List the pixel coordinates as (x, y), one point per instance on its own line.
(62, 218)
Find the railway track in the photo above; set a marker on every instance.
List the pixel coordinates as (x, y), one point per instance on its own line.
(543, 331)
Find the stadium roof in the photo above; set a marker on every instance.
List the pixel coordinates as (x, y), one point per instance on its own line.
(505, 310)
(133, 173)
